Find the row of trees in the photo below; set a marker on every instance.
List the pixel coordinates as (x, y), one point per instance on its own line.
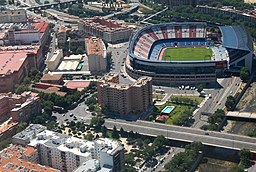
(183, 100)
(214, 120)
(245, 161)
(184, 160)
(238, 4)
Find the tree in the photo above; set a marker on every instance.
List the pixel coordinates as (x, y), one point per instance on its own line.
(115, 134)
(97, 121)
(109, 60)
(104, 131)
(244, 74)
(122, 132)
(21, 126)
(245, 158)
(88, 137)
(129, 159)
(79, 50)
(200, 88)
(46, 2)
(230, 103)
(159, 141)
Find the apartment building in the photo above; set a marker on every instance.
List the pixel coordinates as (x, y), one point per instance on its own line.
(19, 107)
(125, 100)
(7, 129)
(67, 153)
(97, 54)
(19, 158)
(108, 30)
(13, 16)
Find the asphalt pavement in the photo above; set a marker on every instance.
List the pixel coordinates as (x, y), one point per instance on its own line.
(210, 138)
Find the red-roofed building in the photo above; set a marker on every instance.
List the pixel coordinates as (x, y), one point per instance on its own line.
(13, 69)
(44, 29)
(19, 158)
(162, 118)
(79, 85)
(108, 30)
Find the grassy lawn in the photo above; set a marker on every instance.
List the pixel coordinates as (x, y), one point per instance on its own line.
(183, 105)
(158, 96)
(176, 113)
(187, 54)
(198, 100)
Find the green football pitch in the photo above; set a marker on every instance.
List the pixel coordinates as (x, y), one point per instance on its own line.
(187, 54)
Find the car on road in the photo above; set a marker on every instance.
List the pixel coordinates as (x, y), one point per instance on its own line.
(71, 115)
(63, 114)
(66, 119)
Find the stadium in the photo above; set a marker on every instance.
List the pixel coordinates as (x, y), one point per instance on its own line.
(183, 53)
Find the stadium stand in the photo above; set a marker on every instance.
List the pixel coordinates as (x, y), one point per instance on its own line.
(230, 51)
(151, 35)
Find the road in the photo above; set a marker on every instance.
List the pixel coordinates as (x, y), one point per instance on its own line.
(218, 100)
(210, 138)
(80, 113)
(168, 158)
(119, 54)
(134, 4)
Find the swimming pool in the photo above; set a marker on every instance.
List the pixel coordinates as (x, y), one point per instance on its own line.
(168, 109)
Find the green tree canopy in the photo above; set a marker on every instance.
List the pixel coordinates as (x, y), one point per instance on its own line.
(245, 158)
(230, 103)
(244, 74)
(80, 50)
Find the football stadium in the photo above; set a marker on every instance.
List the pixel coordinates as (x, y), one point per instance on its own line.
(186, 53)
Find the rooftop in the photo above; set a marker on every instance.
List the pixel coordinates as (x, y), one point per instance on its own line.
(36, 134)
(96, 46)
(11, 62)
(31, 130)
(12, 159)
(7, 125)
(52, 77)
(235, 37)
(107, 80)
(79, 85)
(40, 25)
(92, 165)
(104, 24)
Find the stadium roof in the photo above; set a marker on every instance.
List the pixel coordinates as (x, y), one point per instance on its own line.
(235, 37)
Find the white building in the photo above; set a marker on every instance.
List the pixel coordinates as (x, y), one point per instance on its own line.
(53, 60)
(67, 153)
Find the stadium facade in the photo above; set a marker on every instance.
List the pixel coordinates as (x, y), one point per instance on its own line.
(230, 52)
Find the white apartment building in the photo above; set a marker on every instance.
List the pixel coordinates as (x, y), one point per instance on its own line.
(67, 153)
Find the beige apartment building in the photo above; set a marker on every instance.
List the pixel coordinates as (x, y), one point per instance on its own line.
(108, 30)
(96, 52)
(120, 99)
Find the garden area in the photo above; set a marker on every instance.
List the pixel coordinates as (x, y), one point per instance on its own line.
(181, 114)
(158, 96)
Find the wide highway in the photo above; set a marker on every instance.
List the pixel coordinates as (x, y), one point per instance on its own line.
(210, 138)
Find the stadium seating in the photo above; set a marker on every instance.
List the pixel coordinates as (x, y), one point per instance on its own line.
(147, 43)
